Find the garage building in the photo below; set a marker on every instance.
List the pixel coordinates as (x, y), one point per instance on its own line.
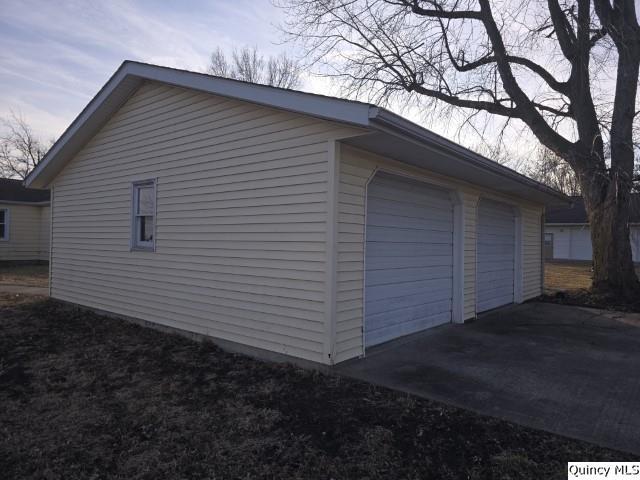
(279, 221)
(567, 235)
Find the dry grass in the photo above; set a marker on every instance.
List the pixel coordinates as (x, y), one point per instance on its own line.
(568, 276)
(85, 396)
(27, 275)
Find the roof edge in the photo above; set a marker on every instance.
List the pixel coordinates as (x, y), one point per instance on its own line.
(21, 202)
(388, 119)
(127, 78)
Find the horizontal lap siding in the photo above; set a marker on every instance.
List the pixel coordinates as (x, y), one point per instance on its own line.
(532, 252)
(355, 170)
(241, 220)
(26, 230)
(45, 232)
(470, 205)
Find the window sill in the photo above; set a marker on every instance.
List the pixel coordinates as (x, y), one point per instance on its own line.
(142, 249)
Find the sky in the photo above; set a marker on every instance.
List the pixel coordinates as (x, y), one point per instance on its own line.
(56, 54)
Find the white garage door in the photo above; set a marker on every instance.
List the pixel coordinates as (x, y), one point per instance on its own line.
(408, 260)
(495, 255)
(635, 243)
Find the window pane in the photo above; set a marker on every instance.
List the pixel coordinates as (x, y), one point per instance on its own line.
(146, 229)
(145, 201)
(2, 212)
(2, 230)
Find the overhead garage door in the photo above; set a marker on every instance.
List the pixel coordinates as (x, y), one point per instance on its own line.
(408, 259)
(495, 255)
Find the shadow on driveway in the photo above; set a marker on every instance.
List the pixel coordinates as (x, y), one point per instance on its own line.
(563, 369)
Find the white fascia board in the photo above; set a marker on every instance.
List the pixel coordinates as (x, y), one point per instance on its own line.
(331, 108)
(130, 75)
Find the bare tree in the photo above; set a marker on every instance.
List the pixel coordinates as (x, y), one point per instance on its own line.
(248, 65)
(566, 70)
(20, 149)
(550, 169)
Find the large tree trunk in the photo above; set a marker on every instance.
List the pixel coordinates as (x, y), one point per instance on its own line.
(613, 271)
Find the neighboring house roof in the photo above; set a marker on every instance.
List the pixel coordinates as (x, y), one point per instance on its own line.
(384, 132)
(13, 191)
(577, 214)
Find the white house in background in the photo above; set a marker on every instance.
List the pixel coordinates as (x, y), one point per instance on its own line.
(279, 221)
(24, 222)
(567, 235)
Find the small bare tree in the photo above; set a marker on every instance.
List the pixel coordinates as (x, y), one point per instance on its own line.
(564, 70)
(550, 169)
(248, 65)
(20, 149)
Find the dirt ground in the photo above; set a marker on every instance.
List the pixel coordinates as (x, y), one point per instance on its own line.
(28, 275)
(85, 396)
(569, 283)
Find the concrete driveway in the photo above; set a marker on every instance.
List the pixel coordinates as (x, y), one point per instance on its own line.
(567, 370)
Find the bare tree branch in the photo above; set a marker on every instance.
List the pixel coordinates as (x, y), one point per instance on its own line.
(248, 65)
(20, 149)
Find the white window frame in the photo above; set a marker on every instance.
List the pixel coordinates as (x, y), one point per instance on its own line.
(134, 244)
(7, 223)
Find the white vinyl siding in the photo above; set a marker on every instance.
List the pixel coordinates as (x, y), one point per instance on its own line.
(531, 251)
(240, 224)
(28, 236)
(45, 232)
(635, 242)
(356, 168)
(470, 212)
(573, 242)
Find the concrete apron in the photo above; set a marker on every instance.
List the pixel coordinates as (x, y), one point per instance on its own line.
(568, 370)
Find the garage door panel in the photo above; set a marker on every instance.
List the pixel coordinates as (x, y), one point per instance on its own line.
(496, 284)
(496, 265)
(390, 234)
(495, 255)
(409, 258)
(496, 238)
(426, 289)
(398, 304)
(412, 326)
(403, 210)
(409, 249)
(411, 223)
(409, 313)
(404, 262)
(409, 274)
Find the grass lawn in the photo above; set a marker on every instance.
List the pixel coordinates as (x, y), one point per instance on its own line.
(84, 396)
(27, 275)
(568, 276)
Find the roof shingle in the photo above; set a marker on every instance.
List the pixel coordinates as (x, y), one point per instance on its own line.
(577, 213)
(12, 190)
